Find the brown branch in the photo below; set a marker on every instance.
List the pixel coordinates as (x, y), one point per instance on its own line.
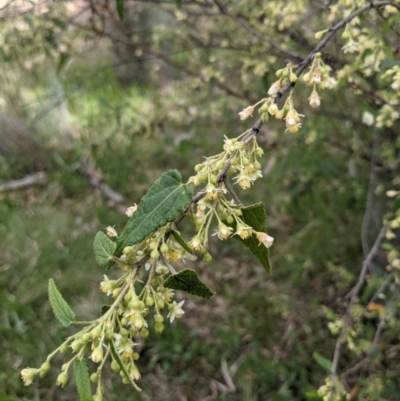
(255, 33)
(96, 181)
(354, 294)
(28, 181)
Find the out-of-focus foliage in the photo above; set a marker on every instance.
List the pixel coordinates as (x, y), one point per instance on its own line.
(159, 90)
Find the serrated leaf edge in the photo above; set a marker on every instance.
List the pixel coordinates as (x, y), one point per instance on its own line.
(82, 382)
(60, 307)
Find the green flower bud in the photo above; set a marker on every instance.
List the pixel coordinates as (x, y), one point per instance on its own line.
(76, 345)
(259, 152)
(153, 244)
(196, 181)
(159, 327)
(293, 77)
(230, 219)
(116, 292)
(257, 165)
(94, 377)
(86, 337)
(127, 250)
(207, 257)
(155, 254)
(64, 348)
(62, 379)
(128, 296)
(263, 109)
(109, 334)
(138, 322)
(164, 249)
(213, 179)
(98, 397)
(125, 380)
(144, 332)
(114, 366)
(198, 167)
(149, 301)
(134, 373)
(160, 303)
(124, 332)
(44, 369)
(135, 356)
(97, 354)
(264, 117)
(158, 318)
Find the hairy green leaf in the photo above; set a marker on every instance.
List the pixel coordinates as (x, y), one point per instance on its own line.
(322, 361)
(188, 281)
(255, 217)
(82, 379)
(120, 9)
(181, 241)
(115, 355)
(61, 309)
(165, 201)
(103, 248)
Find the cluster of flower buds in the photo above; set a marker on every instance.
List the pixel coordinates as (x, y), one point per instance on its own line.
(242, 158)
(284, 75)
(394, 75)
(127, 317)
(318, 77)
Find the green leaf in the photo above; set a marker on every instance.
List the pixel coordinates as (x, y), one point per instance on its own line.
(120, 9)
(115, 355)
(61, 309)
(188, 281)
(255, 217)
(103, 248)
(181, 241)
(165, 201)
(322, 361)
(82, 380)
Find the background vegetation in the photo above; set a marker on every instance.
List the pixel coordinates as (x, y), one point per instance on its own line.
(100, 107)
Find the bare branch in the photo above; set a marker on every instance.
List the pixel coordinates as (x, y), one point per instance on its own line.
(28, 181)
(355, 292)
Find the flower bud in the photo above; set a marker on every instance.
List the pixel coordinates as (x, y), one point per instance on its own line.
(149, 301)
(86, 337)
(124, 332)
(44, 369)
(159, 327)
(96, 332)
(160, 303)
(207, 257)
(164, 249)
(138, 322)
(127, 250)
(114, 366)
(97, 354)
(98, 397)
(135, 356)
(94, 377)
(76, 345)
(155, 254)
(134, 373)
(158, 318)
(293, 77)
(116, 292)
(264, 117)
(62, 379)
(109, 334)
(144, 332)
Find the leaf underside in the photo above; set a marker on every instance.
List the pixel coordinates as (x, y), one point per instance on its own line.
(255, 217)
(103, 248)
(82, 379)
(61, 309)
(188, 281)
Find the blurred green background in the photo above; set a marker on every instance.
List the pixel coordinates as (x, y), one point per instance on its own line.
(96, 103)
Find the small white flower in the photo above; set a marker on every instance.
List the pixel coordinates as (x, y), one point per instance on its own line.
(265, 239)
(367, 118)
(107, 285)
(123, 344)
(28, 375)
(350, 47)
(246, 113)
(175, 311)
(111, 232)
(132, 209)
